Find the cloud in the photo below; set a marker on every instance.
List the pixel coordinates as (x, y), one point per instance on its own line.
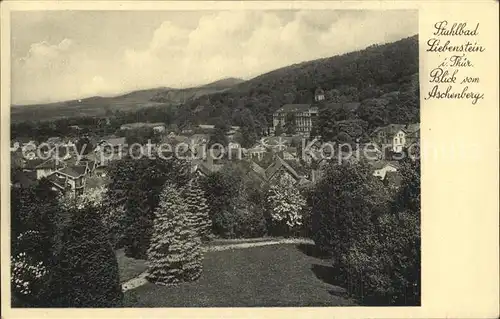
(223, 44)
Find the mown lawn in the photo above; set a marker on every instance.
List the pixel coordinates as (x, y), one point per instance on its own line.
(129, 267)
(276, 275)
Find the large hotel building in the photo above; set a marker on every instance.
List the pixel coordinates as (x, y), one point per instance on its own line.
(304, 114)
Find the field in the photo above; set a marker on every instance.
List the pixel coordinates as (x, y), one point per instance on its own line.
(267, 276)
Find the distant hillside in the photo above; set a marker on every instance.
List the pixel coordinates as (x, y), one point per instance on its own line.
(130, 102)
(182, 96)
(93, 106)
(224, 83)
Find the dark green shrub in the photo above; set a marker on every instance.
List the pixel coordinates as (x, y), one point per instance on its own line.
(86, 272)
(236, 205)
(35, 224)
(374, 238)
(386, 271)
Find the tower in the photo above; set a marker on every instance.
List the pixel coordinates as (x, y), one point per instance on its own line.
(319, 95)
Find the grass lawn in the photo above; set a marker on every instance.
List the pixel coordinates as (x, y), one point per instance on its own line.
(129, 267)
(276, 275)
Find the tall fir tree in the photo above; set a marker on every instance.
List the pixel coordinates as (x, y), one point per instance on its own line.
(198, 209)
(174, 254)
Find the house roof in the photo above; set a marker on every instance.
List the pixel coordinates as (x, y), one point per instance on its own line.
(381, 164)
(261, 172)
(412, 128)
(116, 141)
(206, 126)
(90, 157)
(58, 181)
(197, 138)
(291, 108)
(257, 149)
(205, 168)
(42, 163)
(54, 139)
(390, 129)
(277, 165)
(89, 163)
(177, 139)
(141, 124)
(319, 91)
(74, 171)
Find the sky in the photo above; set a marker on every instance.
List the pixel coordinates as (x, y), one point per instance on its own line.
(62, 55)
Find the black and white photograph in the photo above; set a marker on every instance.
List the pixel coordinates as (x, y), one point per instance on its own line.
(215, 158)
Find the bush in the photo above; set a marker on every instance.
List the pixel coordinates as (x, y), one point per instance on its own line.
(35, 224)
(29, 277)
(374, 238)
(344, 206)
(86, 272)
(387, 270)
(236, 204)
(248, 221)
(112, 217)
(285, 206)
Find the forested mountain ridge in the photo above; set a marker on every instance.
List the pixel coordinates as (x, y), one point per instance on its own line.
(352, 77)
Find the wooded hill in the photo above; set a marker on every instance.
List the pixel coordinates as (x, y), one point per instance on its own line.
(382, 78)
(353, 77)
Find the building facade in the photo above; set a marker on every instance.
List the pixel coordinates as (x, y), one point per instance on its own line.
(398, 136)
(303, 115)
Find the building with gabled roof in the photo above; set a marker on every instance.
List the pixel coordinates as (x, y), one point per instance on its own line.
(381, 168)
(392, 134)
(43, 167)
(73, 176)
(399, 136)
(280, 165)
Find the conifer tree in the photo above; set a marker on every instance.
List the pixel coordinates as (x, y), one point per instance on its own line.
(198, 209)
(174, 254)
